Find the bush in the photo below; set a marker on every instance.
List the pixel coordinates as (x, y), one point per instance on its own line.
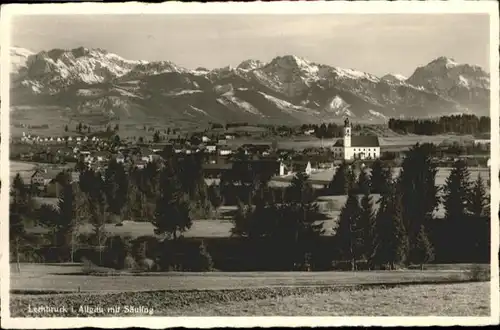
(478, 274)
(200, 262)
(346, 265)
(147, 265)
(129, 263)
(116, 251)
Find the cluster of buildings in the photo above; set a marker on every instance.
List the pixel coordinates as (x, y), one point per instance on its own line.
(218, 157)
(35, 139)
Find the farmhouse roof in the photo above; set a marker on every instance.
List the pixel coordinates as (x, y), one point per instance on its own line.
(360, 141)
(48, 174)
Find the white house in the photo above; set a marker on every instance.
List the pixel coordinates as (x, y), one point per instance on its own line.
(205, 138)
(482, 141)
(309, 132)
(224, 151)
(356, 147)
(210, 148)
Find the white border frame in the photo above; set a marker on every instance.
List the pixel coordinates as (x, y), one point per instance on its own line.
(298, 8)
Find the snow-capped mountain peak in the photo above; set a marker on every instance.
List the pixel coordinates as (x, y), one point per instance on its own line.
(19, 57)
(354, 74)
(290, 61)
(250, 65)
(447, 62)
(338, 107)
(394, 77)
(288, 88)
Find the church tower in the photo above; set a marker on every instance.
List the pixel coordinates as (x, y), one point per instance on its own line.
(347, 133)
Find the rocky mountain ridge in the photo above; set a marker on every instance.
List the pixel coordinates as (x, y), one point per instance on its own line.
(288, 89)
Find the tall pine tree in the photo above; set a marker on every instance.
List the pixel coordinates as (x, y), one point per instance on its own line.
(391, 239)
(424, 251)
(116, 186)
(367, 225)
(349, 235)
(380, 177)
(364, 184)
(418, 190)
(20, 210)
(342, 181)
(173, 209)
(457, 191)
(478, 198)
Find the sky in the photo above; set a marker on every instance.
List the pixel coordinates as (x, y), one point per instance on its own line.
(374, 43)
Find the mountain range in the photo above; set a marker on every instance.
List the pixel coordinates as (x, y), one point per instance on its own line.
(288, 89)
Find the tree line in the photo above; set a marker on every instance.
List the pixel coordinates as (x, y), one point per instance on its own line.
(461, 124)
(385, 222)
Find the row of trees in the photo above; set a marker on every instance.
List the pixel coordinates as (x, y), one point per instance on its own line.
(461, 124)
(171, 193)
(397, 233)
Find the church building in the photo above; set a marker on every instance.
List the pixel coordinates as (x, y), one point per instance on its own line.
(356, 147)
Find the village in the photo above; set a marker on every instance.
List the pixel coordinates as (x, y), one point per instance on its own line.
(50, 155)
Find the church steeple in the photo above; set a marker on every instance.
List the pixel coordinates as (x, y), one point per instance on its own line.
(347, 133)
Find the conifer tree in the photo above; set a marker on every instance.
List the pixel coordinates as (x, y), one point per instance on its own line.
(349, 235)
(364, 184)
(457, 192)
(115, 186)
(96, 206)
(215, 196)
(173, 210)
(19, 211)
(241, 220)
(417, 189)
(203, 261)
(391, 239)
(478, 198)
(367, 226)
(380, 177)
(302, 214)
(424, 251)
(342, 180)
(63, 221)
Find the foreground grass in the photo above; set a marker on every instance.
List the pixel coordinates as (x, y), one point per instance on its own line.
(464, 299)
(68, 277)
(470, 299)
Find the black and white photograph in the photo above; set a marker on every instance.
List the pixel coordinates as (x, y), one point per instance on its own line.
(276, 162)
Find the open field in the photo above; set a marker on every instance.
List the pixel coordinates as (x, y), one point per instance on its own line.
(200, 229)
(459, 299)
(69, 277)
(392, 143)
(471, 299)
(203, 228)
(322, 177)
(25, 169)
